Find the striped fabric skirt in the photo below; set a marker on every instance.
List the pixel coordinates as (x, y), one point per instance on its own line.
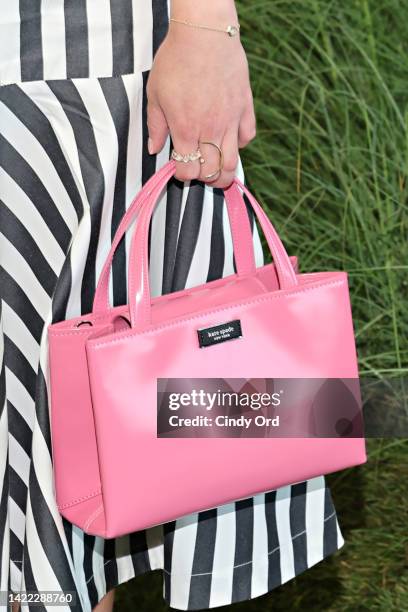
(73, 154)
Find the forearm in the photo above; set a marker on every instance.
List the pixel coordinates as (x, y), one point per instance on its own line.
(209, 12)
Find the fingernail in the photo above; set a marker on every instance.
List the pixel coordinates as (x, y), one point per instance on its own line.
(150, 145)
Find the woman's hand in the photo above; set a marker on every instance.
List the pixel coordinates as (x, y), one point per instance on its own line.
(199, 90)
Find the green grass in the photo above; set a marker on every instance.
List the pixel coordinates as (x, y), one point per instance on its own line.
(330, 165)
(330, 159)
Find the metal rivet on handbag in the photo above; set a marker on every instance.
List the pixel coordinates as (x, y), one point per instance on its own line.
(113, 474)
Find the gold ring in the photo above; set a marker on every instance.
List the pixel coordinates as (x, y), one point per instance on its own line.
(221, 158)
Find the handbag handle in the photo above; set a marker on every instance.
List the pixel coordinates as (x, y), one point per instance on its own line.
(101, 297)
(138, 282)
(242, 237)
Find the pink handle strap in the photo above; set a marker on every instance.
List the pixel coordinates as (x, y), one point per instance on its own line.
(101, 298)
(242, 236)
(139, 290)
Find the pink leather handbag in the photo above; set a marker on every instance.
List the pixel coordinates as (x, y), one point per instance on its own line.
(113, 474)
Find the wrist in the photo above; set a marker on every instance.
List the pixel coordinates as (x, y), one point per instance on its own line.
(191, 39)
(214, 13)
(194, 23)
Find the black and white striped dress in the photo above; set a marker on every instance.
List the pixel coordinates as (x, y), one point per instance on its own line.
(73, 154)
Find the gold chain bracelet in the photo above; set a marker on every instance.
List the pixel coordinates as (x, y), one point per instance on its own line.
(231, 30)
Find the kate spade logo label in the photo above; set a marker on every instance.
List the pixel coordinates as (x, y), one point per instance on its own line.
(219, 333)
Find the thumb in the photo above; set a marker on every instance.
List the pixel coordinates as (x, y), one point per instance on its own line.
(158, 128)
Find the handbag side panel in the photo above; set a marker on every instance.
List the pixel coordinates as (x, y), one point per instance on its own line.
(74, 448)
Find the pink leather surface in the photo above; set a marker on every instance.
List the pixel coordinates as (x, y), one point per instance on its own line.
(75, 457)
(307, 333)
(112, 474)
